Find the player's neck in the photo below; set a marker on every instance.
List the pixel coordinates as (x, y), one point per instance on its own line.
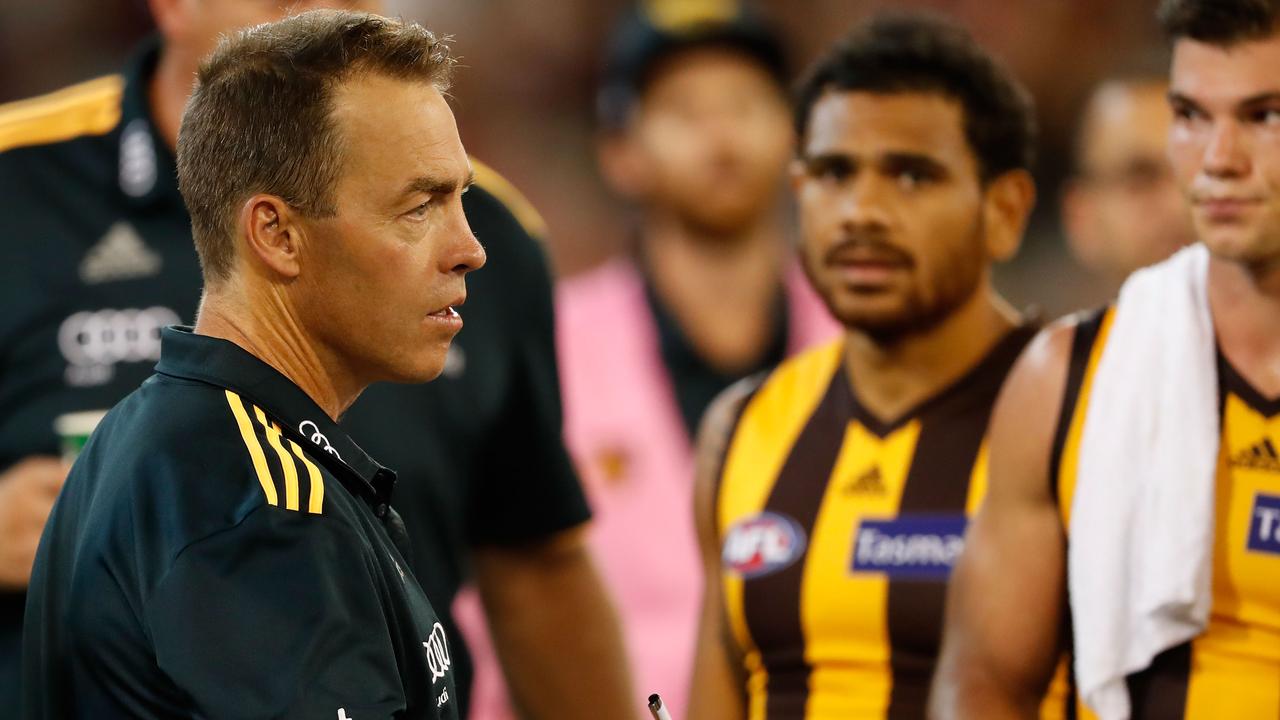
(721, 291)
(890, 378)
(264, 326)
(167, 93)
(1245, 303)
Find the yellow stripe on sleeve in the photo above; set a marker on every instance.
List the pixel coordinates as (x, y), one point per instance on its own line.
(1070, 461)
(316, 503)
(255, 448)
(286, 462)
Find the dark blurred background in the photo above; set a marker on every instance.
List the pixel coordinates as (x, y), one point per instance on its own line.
(524, 97)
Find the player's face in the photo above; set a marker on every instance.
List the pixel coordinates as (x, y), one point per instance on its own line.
(382, 278)
(1125, 210)
(711, 140)
(890, 208)
(1225, 145)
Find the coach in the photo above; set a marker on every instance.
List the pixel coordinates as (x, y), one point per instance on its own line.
(207, 557)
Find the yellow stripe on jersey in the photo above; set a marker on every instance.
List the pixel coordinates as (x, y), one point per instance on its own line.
(316, 502)
(1071, 449)
(844, 614)
(1236, 661)
(89, 108)
(978, 480)
(507, 194)
(779, 411)
(286, 462)
(255, 448)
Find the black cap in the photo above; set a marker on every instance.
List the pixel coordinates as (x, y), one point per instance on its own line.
(656, 29)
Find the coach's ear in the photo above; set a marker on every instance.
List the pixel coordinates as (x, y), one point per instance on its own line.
(270, 235)
(1006, 206)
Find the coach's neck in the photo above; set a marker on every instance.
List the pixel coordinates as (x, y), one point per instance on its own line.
(261, 319)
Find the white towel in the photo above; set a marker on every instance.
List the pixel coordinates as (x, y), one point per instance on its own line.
(1141, 536)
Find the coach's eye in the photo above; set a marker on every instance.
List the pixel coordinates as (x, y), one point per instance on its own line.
(420, 211)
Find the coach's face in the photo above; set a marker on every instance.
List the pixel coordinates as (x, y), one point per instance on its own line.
(382, 279)
(897, 228)
(1225, 144)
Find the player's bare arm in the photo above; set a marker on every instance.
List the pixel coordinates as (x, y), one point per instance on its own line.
(548, 594)
(1007, 595)
(719, 683)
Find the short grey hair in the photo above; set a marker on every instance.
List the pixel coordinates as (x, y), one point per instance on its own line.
(260, 118)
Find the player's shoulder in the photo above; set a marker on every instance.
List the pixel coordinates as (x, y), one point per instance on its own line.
(804, 377)
(89, 108)
(1063, 344)
(787, 392)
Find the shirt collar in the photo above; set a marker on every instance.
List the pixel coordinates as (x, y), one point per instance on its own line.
(184, 354)
(147, 172)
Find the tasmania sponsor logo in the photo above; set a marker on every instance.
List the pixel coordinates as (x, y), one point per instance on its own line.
(923, 547)
(1264, 524)
(762, 544)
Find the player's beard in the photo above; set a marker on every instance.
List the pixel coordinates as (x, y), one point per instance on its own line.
(953, 282)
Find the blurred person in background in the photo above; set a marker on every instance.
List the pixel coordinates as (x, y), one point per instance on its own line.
(1122, 210)
(98, 257)
(1134, 509)
(695, 132)
(833, 494)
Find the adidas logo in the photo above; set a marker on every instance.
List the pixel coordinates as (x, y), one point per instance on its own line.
(119, 255)
(868, 483)
(1261, 456)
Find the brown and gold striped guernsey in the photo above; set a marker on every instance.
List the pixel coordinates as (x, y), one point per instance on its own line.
(838, 533)
(1232, 670)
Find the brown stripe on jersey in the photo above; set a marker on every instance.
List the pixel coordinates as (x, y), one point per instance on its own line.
(1081, 347)
(1160, 691)
(771, 604)
(952, 429)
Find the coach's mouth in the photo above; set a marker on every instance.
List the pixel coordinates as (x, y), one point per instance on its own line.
(449, 312)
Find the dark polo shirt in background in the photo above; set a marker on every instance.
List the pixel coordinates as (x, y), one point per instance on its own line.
(222, 549)
(96, 256)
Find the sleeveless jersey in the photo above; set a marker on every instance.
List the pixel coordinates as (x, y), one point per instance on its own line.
(1231, 670)
(838, 533)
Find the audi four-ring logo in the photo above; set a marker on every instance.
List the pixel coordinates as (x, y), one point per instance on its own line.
(317, 437)
(437, 653)
(106, 337)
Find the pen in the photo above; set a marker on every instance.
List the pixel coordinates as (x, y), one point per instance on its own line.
(657, 708)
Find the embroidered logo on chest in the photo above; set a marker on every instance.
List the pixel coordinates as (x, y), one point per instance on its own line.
(923, 547)
(1264, 524)
(762, 544)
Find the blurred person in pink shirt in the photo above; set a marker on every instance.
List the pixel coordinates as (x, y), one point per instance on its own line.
(696, 134)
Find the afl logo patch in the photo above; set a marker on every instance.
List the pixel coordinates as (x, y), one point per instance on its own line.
(762, 544)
